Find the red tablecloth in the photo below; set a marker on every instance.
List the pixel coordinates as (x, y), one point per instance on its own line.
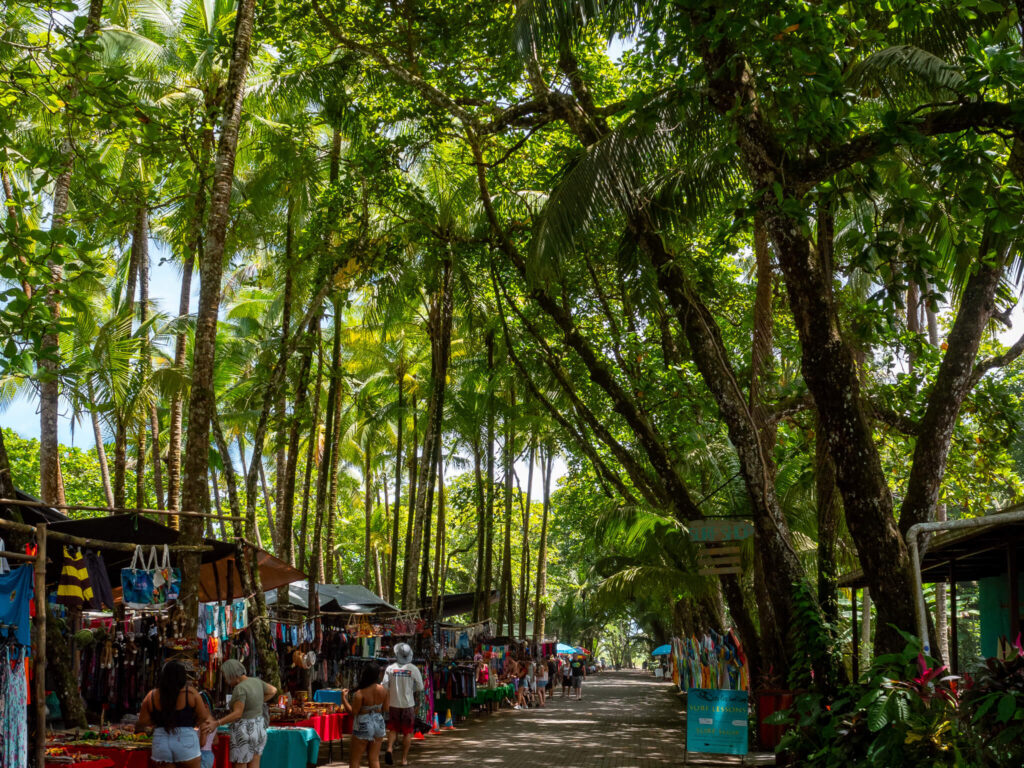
(105, 762)
(120, 758)
(327, 727)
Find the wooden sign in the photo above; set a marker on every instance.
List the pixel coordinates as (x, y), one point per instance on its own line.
(718, 529)
(719, 561)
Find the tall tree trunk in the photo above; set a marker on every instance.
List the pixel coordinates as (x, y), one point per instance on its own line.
(216, 500)
(524, 557)
(202, 399)
(489, 502)
(142, 237)
(409, 561)
(323, 481)
(440, 543)
(50, 486)
(195, 253)
(268, 505)
(396, 522)
(120, 461)
(140, 469)
(367, 510)
(540, 610)
(505, 611)
(312, 451)
(101, 451)
(441, 335)
(234, 503)
(281, 432)
(478, 485)
(332, 498)
(286, 511)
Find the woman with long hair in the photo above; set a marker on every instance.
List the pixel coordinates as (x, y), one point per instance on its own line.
(368, 707)
(174, 710)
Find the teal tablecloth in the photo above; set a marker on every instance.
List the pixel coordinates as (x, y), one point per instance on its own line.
(289, 747)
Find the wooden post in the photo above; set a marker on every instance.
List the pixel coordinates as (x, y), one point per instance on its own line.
(39, 660)
(855, 634)
(1012, 574)
(954, 640)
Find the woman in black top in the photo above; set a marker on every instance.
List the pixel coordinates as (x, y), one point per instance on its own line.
(173, 710)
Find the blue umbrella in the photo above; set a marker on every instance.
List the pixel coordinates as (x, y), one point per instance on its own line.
(563, 648)
(662, 650)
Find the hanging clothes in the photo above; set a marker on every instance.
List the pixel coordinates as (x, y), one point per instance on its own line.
(74, 588)
(13, 709)
(103, 593)
(4, 567)
(15, 596)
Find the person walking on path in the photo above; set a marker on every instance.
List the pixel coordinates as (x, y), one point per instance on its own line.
(248, 727)
(564, 673)
(578, 670)
(542, 682)
(367, 708)
(173, 710)
(404, 683)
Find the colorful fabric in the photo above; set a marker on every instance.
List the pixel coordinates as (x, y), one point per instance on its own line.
(13, 711)
(74, 589)
(15, 596)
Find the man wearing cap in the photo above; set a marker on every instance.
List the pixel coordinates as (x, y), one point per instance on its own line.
(404, 684)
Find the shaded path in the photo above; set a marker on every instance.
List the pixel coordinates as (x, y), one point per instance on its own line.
(625, 720)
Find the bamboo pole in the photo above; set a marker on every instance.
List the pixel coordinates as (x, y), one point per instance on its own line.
(18, 556)
(78, 541)
(114, 510)
(39, 688)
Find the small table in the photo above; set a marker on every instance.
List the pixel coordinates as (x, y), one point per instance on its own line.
(103, 762)
(286, 748)
(328, 696)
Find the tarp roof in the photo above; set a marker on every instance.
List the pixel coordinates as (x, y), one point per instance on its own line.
(134, 529)
(29, 515)
(336, 598)
(459, 603)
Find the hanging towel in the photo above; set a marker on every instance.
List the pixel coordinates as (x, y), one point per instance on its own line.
(15, 594)
(4, 567)
(74, 588)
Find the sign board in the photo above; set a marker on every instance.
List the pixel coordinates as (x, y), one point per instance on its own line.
(720, 530)
(717, 560)
(716, 721)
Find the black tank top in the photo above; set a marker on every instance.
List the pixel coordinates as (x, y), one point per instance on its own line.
(184, 717)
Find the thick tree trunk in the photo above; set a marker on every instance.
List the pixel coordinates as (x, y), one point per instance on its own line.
(439, 543)
(281, 431)
(539, 606)
(120, 461)
(140, 469)
(177, 398)
(202, 399)
(216, 500)
(396, 522)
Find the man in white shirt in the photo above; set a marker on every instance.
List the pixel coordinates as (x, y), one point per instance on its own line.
(404, 684)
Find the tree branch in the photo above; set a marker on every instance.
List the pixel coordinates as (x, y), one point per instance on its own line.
(999, 361)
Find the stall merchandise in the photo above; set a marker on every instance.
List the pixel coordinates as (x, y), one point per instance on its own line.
(712, 661)
(15, 595)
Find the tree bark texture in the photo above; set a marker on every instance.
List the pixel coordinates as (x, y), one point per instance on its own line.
(201, 399)
(397, 521)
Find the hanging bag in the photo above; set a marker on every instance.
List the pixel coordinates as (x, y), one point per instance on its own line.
(147, 584)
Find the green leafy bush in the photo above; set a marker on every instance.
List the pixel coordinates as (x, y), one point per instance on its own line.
(992, 711)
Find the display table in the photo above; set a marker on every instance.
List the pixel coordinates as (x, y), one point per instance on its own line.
(286, 748)
(103, 762)
(119, 757)
(328, 696)
(327, 727)
(462, 707)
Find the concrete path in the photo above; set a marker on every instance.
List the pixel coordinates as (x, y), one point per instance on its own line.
(625, 720)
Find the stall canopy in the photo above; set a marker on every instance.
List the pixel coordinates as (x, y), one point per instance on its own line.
(29, 515)
(662, 650)
(219, 578)
(563, 648)
(336, 598)
(459, 603)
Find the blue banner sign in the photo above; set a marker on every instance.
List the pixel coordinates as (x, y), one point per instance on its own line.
(716, 721)
(720, 530)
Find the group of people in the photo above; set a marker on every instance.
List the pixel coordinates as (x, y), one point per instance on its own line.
(534, 682)
(180, 715)
(383, 705)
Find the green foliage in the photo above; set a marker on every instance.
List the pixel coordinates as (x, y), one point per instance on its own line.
(81, 471)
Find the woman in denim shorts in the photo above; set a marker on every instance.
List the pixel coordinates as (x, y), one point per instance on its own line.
(174, 709)
(368, 707)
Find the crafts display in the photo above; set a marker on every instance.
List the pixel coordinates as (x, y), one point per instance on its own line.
(712, 661)
(15, 640)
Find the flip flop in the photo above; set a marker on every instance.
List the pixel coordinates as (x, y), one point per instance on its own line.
(388, 758)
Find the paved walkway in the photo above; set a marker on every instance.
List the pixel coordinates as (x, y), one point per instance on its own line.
(625, 720)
